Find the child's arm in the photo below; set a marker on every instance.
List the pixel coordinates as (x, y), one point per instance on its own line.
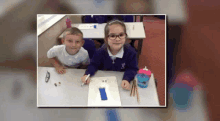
(95, 63)
(125, 84)
(59, 68)
(131, 69)
(51, 54)
(93, 66)
(55, 62)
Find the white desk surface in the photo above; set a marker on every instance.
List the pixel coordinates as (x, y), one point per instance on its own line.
(135, 30)
(71, 94)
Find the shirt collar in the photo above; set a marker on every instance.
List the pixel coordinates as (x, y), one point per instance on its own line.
(118, 55)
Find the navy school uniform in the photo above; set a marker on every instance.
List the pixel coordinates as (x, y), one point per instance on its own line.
(102, 61)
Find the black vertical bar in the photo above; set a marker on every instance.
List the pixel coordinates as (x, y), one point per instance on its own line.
(141, 18)
(140, 42)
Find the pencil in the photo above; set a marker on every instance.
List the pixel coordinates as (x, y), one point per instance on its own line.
(132, 89)
(138, 98)
(85, 80)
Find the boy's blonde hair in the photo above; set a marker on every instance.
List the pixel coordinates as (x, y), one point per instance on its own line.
(72, 31)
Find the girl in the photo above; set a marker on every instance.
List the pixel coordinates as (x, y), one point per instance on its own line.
(114, 55)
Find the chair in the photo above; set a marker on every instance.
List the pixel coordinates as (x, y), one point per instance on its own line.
(87, 19)
(99, 19)
(128, 18)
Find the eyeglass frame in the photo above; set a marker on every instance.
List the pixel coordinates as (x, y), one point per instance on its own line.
(47, 77)
(117, 36)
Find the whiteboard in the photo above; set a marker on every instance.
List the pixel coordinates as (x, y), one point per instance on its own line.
(111, 89)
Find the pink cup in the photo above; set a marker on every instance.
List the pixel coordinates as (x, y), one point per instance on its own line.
(145, 71)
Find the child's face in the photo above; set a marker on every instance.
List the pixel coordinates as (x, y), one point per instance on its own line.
(73, 43)
(117, 43)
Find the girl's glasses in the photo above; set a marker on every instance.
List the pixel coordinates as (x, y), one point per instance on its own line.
(114, 36)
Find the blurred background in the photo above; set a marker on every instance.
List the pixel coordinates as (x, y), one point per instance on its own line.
(193, 59)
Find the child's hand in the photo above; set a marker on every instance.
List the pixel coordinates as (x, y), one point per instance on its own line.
(60, 70)
(84, 79)
(125, 84)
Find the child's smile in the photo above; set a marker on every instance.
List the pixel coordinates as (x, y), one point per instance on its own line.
(73, 43)
(117, 43)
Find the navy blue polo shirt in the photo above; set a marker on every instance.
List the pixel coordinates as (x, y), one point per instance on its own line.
(127, 64)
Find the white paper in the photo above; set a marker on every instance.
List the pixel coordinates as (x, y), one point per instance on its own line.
(111, 89)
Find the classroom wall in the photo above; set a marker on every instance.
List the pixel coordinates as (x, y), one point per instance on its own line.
(48, 39)
(75, 18)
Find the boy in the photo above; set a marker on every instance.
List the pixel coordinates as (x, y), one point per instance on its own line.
(71, 53)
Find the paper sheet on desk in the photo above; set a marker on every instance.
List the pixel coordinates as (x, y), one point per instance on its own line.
(111, 88)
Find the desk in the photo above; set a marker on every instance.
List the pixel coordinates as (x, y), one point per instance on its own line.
(135, 30)
(71, 94)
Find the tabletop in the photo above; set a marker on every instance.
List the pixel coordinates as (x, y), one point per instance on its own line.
(135, 30)
(71, 94)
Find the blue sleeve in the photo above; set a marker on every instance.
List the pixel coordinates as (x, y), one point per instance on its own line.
(132, 68)
(94, 64)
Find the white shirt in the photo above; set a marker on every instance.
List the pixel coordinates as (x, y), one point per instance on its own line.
(118, 55)
(59, 51)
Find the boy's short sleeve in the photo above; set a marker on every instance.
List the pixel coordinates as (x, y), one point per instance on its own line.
(52, 52)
